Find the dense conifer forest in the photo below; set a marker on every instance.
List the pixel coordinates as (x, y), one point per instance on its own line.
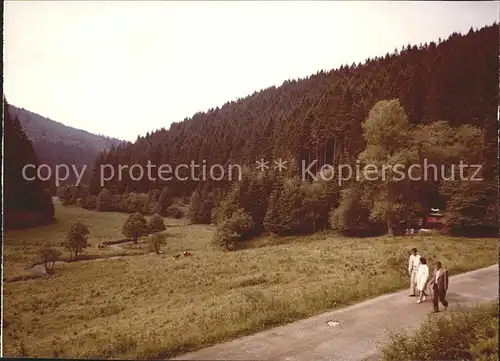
(445, 90)
(26, 202)
(320, 117)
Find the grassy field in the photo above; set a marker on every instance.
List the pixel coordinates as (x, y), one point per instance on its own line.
(22, 246)
(146, 305)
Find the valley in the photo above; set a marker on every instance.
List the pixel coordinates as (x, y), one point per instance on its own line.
(332, 140)
(147, 305)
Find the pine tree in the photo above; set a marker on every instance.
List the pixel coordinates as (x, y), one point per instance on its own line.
(200, 208)
(104, 201)
(286, 213)
(272, 218)
(164, 201)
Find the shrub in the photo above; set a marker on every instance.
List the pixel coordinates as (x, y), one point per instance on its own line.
(463, 334)
(156, 224)
(116, 203)
(352, 216)
(236, 228)
(89, 202)
(135, 204)
(49, 256)
(120, 203)
(174, 212)
(65, 195)
(157, 240)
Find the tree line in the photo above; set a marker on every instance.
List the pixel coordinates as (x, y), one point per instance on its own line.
(439, 101)
(283, 203)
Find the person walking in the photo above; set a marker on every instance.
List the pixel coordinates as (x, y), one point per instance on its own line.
(439, 286)
(422, 279)
(413, 263)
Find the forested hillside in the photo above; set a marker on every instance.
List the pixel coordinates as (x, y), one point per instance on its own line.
(447, 108)
(320, 117)
(56, 143)
(26, 203)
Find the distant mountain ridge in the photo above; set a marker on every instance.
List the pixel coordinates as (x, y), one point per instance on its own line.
(36, 126)
(56, 143)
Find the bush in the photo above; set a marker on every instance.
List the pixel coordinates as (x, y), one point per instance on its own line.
(237, 228)
(117, 203)
(462, 334)
(135, 203)
(398, 260)
(352, 216)
(157, 240)
(156, 224)
(89, 202)
(49, 256)
(65, 195)
(174, 212)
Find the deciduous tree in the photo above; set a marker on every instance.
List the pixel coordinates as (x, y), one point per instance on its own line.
(135, 226)
(76, 239)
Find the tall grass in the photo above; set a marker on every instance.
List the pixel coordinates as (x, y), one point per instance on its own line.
(469, 333)
(150, 305)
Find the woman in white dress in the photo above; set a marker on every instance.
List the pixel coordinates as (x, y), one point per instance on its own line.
(422, 279)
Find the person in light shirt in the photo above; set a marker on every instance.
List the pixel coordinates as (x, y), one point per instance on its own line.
(413, 263)
(422, 279)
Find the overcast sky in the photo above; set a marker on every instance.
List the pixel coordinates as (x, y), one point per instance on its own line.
(125, 68)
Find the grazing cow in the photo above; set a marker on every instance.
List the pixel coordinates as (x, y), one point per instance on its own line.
(187, 254)
(177, 256)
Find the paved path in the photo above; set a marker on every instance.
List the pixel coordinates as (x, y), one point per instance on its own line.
(360, 327)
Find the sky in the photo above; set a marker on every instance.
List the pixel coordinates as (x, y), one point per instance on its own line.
(125, 68)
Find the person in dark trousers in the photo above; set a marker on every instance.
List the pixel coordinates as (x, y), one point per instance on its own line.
(439, 286)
